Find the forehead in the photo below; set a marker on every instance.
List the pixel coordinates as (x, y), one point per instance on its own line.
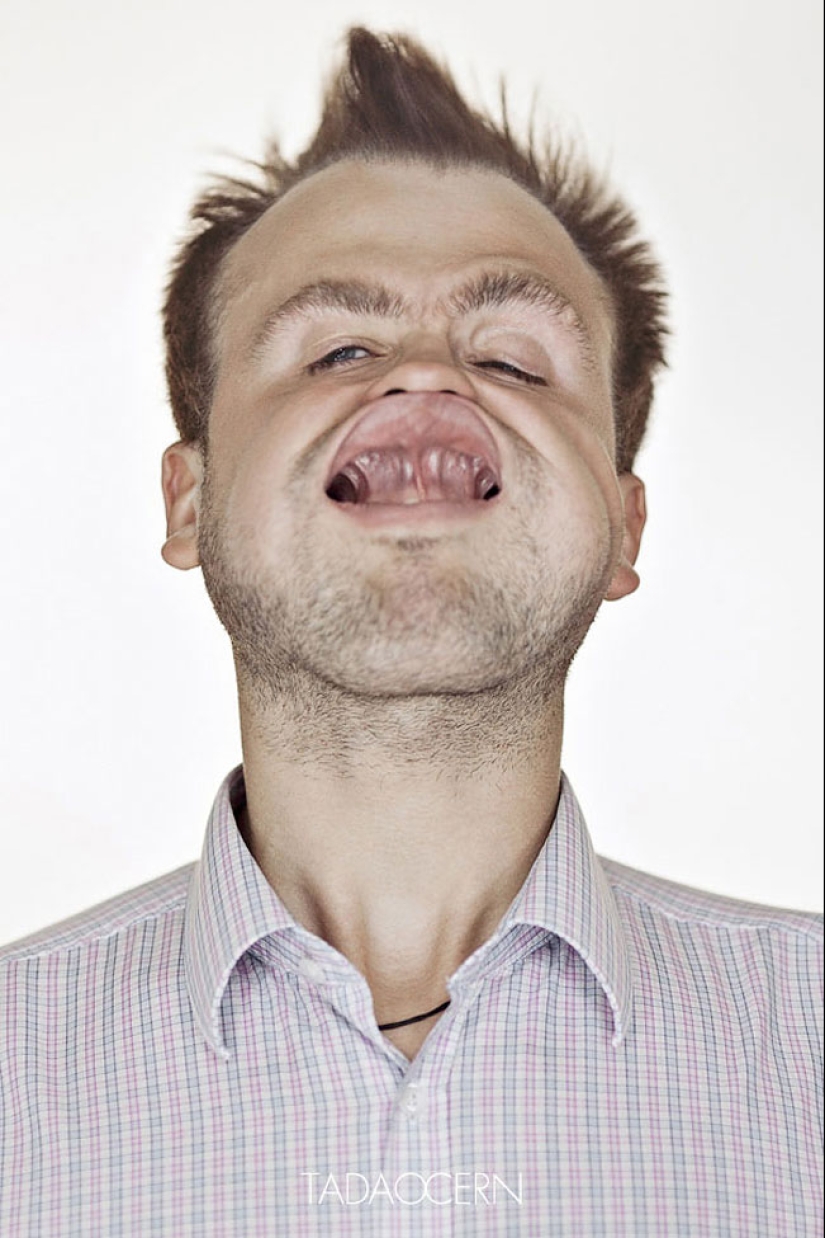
(403, 223)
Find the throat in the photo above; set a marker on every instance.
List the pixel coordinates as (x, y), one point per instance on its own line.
(411, 1039)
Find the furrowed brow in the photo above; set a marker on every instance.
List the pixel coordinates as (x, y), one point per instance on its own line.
(349, 296)
(493, 290)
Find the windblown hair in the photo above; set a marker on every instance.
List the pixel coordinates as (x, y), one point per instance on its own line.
(391, 100)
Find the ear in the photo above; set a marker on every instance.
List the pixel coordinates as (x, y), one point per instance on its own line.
(181, 477)
(626, 578)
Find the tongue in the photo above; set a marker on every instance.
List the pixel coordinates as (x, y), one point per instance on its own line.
(436, 474)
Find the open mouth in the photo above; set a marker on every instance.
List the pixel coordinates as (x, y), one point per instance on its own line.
(413, 448)
(436, 474)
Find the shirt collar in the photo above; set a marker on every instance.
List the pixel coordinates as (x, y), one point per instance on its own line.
(230, 906)
(567, 893)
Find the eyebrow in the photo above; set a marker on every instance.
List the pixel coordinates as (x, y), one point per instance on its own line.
(490, 290)
(493, 290)
(350, 296)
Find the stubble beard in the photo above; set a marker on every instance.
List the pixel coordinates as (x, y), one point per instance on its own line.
(419, 655)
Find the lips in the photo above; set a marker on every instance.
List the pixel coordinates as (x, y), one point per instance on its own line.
(415, 447)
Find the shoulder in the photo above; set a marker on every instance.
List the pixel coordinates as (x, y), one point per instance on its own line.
(729, 962)
(155, 900)
(645, 894)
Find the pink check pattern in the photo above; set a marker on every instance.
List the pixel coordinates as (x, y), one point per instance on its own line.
(626, 1055)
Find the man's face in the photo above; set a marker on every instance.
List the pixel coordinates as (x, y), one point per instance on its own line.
(449, 312)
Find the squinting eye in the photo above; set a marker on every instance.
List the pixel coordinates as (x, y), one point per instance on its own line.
(338, 356)
(507, 368)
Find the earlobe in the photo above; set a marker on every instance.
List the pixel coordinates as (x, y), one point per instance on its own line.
(181, 477)
(626, 578)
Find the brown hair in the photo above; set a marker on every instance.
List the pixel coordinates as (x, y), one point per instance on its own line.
(391, 100)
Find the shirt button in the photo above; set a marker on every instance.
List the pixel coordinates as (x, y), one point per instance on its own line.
(312, 970)
(409, 1100)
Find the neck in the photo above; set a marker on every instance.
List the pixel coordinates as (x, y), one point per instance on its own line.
(400, 830)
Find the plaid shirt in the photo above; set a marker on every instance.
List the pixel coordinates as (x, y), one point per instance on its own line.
(624, 1056)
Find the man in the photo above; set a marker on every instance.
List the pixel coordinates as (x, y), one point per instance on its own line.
(400, 994)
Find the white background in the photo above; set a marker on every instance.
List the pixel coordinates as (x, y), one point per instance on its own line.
(693, 739)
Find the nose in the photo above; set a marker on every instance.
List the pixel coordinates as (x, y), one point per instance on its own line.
(425, 365)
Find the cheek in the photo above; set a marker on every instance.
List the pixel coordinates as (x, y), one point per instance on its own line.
(255, 514)
(257, 445)
(577, 499)
(575, 452)
(574, 519)
(247, 493)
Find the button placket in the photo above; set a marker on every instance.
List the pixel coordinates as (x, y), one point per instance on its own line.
(410, 1100)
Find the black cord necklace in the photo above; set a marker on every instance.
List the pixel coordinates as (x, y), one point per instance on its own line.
(385, 1027)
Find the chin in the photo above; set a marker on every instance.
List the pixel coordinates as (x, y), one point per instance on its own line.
(395, 672)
